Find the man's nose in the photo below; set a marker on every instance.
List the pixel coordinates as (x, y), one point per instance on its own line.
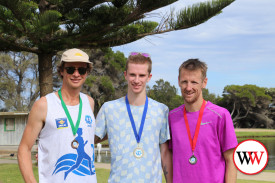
(188, 86)
(136, 79)
(76, 73)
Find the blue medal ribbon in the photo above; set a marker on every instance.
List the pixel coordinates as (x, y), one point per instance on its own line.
(138, 136)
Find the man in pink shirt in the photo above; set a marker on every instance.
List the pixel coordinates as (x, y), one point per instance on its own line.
(202, 134)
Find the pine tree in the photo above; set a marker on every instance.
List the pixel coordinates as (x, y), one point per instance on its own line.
(45, 27)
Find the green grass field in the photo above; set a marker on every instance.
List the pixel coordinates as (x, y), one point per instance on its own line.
(251, 134)
(10, 173)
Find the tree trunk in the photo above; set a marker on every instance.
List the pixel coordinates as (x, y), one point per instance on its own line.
(261, 119)
(45, 73)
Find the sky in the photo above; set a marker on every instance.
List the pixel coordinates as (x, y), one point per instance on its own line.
(238, 46)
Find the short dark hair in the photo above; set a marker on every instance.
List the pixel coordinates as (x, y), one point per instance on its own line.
(194, 64)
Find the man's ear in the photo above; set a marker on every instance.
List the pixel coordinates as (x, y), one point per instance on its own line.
(149, 77)
(204, 83)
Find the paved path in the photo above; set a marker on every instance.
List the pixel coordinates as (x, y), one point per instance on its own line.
(103, 165)
(263, 176)
(8, 161)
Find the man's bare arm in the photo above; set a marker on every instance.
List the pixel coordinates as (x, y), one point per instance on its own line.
(34, 125)
(92, 102)
(230, 169)
(166, 162)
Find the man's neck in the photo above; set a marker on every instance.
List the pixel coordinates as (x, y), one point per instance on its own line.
(193, 107)
(136, 99)
(70, 97)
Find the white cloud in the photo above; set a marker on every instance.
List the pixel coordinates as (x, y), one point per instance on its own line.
(238, 46)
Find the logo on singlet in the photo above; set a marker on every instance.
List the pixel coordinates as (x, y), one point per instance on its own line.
(88, 120)
(80, 163)
(61, 123)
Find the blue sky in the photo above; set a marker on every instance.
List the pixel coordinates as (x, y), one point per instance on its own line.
(238, 46)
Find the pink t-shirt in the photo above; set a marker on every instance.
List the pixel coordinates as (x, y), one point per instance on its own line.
(216, 136)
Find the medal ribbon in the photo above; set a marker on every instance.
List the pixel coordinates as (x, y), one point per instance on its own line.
(74, 128)
(194, 141)
(138, 136)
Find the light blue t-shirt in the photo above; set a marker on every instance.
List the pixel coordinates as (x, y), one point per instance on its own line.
(113, 120)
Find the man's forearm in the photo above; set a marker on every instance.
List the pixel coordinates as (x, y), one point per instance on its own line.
(230, 169)
(230, 173)
(25, 164)
(167, 163)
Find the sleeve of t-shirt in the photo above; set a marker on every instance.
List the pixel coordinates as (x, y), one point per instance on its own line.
(227, 135)
(101, 127)
(164, 131)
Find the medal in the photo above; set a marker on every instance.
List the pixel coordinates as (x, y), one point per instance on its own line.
(193, 159)
(138, 152)
(74, 144)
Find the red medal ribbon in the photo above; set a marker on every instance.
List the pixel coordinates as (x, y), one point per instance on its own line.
(194, 141)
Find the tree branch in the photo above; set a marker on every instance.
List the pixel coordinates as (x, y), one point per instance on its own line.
(233, 110)
(10, 24)
(15, 47)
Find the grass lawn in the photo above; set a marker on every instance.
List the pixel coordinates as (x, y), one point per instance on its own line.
(10, 173)
(273, 171)
(252, 134)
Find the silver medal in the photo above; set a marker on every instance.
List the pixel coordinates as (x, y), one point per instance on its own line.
(192, 160)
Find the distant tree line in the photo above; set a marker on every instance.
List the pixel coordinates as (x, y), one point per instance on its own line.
(250, 106)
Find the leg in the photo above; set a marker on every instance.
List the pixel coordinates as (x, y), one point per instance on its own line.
(77, 163)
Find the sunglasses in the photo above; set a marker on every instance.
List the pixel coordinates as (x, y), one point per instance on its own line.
(81, 70)
(147, 55)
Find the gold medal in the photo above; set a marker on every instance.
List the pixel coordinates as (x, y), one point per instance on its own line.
(74, 144)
